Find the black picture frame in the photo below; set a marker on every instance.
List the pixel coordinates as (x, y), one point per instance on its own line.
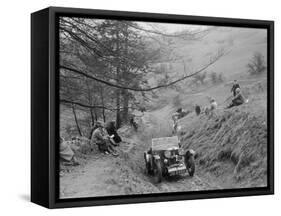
(45, 111)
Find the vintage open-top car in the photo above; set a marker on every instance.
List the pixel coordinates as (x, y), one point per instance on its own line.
(167, 158)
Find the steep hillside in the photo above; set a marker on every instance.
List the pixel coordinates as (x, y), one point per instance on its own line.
(241, 43)
(232, 144)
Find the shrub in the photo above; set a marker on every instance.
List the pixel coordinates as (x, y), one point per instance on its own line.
(216, 78)
(256, 65)
(200, 77)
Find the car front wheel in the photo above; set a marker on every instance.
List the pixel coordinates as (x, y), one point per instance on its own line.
(157, 172)
(190, 164)
(147, 164)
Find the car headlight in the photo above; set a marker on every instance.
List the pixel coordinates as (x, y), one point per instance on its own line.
(192, 152)
(167, 154)
(179, 128)
(181, 151)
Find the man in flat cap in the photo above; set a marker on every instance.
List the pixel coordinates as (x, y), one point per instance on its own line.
(102, 139)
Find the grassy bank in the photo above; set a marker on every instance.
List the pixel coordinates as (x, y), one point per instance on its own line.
(232, 144)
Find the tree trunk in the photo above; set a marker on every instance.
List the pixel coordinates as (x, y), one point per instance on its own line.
(125, 77)
(91, 133)
(118, 118)
(76, 120)
(125, 110)
(102, 101)
(92, 116)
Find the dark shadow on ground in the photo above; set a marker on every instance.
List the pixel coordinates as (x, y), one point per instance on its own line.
(176, 178)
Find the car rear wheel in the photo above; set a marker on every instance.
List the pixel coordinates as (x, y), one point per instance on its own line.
(157, 172)
(147, 164)
(190, 164)
(191, 169)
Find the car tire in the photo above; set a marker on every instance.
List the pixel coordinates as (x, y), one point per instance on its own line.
(191, 166)
(157, 172)
(147, 164)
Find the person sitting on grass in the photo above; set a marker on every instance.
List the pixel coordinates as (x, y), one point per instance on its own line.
(112, 131)
(237, 100)
(211, 108)
(182, 113)
(175, 117)
(213, 104)
(197, 109)
(66, 154)
(234, 87)
(101, 138)
(133, 122)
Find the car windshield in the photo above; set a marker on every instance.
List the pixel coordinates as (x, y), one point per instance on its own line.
(165, 143)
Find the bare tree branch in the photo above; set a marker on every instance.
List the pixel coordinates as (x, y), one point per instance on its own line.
(99, 49)
(190, 34)
(212, 61)
(65, 101)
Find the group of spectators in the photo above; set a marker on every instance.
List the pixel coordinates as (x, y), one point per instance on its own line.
(106, 137)
(238, 97)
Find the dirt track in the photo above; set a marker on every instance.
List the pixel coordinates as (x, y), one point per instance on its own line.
(104, 175)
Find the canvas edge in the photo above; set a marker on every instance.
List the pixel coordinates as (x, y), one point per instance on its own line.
(53, 200)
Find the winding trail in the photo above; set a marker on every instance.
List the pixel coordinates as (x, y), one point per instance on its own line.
(161, 120)
(105, 175)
